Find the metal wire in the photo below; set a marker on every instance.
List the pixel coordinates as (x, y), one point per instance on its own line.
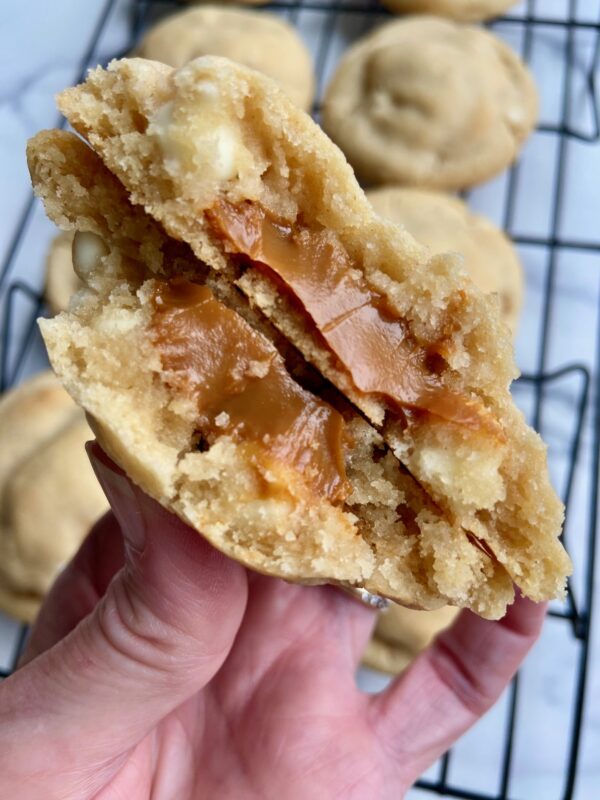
(576, 616)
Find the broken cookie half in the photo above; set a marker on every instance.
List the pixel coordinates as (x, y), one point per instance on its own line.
(294, 377)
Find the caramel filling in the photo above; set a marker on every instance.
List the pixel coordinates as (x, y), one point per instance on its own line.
(356, 323)
(242, 389)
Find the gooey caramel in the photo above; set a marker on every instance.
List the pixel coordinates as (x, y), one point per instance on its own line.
(356, 322)
(242, 388)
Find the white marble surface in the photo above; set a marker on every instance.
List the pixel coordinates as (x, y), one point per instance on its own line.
(41, 45)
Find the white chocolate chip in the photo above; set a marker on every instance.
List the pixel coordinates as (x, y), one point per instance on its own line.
(88, 250)
(199, 133)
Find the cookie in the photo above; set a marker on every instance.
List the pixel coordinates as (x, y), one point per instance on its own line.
(50, 496)
(425, 102)
(295, 377)
(401, 634)
(258, 40)
(459, 10)
(61, 279)
(444, 223)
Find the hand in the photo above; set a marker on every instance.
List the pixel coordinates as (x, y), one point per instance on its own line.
(159, 668)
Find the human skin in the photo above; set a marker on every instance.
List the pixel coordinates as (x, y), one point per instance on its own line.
(158, 668)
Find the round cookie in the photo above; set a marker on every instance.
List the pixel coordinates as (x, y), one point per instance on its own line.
(459, 10)
(426, 102)
(61, 279)
(401, 634)
(445, 223)
(50, 496)
(262, 42)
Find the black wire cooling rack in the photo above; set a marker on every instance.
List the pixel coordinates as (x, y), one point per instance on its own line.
(21, 303)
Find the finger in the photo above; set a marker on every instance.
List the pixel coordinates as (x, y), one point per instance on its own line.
(160, 632)
(317, 628)
(78, 588)
(452, 684)
(306, 616)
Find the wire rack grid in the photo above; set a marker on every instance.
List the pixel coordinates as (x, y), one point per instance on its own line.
(552, 380)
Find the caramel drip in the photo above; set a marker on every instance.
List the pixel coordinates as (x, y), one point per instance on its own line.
(356, 323)
(242, 388)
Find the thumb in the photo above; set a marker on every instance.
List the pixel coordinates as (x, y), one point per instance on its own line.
(161, 631)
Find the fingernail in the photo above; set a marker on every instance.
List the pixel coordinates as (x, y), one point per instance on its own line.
(122, 497)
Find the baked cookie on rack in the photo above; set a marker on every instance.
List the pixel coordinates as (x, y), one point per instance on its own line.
(296, 378)
(261, 41)
(428, 103)
(50, 495)
(401, 634)
(445, 223)
(459, 10)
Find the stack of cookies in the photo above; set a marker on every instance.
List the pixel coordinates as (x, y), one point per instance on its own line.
(298, 379)
(421, 106)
